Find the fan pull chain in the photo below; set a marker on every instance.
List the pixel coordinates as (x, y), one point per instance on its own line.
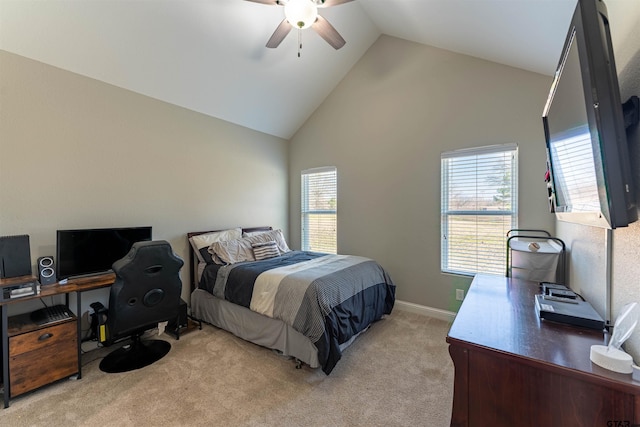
(299, 42)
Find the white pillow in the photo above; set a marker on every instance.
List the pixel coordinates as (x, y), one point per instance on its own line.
(253, 233)
(239, 250)
(205, 240)
(278, 237)
(265, 236)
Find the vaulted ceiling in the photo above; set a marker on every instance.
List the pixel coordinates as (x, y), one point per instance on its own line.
(210, 55)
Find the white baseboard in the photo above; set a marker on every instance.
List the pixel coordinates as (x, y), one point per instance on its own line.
(425, 311)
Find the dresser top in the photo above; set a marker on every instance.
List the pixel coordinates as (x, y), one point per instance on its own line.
(499, 314)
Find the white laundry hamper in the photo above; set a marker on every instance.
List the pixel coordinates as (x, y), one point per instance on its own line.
(535, 255)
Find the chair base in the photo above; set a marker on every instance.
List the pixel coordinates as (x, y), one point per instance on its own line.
(138, 355)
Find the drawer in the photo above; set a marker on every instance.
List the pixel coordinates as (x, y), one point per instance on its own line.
(41, 338)
(41, 357)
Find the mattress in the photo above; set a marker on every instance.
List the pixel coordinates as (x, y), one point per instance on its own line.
(306, 305)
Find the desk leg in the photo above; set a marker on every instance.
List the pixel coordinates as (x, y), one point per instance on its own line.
(5, 356)
(79, 332)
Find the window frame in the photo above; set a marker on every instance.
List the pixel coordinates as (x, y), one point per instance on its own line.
(447, 252)
(305, 210)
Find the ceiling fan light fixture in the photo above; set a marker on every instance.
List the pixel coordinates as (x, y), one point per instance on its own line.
(301, 14)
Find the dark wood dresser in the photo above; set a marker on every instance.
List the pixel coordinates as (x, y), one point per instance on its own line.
(514, 369)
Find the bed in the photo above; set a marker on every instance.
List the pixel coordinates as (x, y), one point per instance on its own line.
(305, 305)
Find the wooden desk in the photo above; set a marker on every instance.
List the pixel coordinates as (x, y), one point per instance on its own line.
(514, 369)
(28, 335)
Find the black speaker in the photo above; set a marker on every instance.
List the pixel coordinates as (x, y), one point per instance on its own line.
(15, 256)
(46, 270)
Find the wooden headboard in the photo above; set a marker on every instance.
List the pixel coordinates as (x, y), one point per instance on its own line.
(193, 259)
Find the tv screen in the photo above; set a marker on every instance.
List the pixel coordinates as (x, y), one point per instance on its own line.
(93, 251)
(589, 172)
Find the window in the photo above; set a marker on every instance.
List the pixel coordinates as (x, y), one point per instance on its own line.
(479, 205)
(319, 210)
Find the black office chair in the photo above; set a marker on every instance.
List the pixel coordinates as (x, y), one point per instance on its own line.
(146, 291)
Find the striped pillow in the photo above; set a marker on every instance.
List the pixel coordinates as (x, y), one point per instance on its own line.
(265, 250)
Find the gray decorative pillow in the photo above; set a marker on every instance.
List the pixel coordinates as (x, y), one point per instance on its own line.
(232, 251)
(265, 250)
(201, 242)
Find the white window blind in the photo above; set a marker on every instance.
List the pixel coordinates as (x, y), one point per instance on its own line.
(479, 205)
(319, 210)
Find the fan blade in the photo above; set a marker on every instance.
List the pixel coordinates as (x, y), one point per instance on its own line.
(273, 2)
(279, 34)
(328, 3)
(328, 33)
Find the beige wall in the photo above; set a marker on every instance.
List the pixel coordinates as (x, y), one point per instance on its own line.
(76, 153)
(587, 244)
(384, 127)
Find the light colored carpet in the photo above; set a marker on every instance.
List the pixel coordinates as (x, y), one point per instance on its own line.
(396, 374)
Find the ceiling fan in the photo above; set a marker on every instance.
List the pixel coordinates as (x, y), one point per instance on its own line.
(303, 14)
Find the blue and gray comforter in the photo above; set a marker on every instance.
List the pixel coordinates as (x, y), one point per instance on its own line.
(327, 298)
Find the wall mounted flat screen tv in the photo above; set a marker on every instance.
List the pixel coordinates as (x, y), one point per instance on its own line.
(93, 251)
(589, 176)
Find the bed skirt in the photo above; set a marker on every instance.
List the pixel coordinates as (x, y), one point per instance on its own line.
(253, 327)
